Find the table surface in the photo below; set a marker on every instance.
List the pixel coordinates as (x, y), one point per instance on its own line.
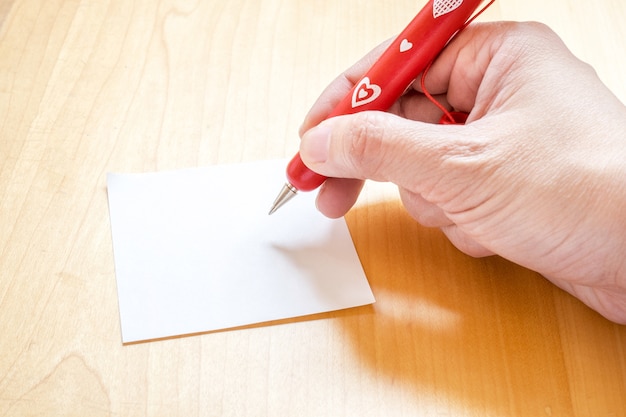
(90, 87)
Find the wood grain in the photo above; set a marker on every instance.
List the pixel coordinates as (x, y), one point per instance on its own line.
(89, 87)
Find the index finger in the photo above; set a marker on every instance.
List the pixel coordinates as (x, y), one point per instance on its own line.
(339, 87)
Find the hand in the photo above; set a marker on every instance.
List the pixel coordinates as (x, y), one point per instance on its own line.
(537, 174)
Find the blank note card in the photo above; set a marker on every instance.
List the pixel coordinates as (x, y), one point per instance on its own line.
(195, 251)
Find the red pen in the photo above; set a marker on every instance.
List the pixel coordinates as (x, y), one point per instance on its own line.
(407, 56)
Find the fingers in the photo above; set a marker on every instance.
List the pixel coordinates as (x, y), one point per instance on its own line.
(426, 213)
(332, 95)
(459, 70)
(416, 106)
(384, 147)
(465, 243)
(337, 196)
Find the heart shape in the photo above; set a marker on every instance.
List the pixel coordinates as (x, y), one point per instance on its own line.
(405, 45)
(443, 7)
(365, 92)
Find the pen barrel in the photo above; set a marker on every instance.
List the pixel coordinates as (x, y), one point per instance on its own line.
(407, 56)
(301, 177)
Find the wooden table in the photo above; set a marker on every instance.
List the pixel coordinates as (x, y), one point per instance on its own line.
(89, 87)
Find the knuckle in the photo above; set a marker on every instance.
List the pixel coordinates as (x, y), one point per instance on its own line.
(468, 153)
(464, 164)
(365, 147)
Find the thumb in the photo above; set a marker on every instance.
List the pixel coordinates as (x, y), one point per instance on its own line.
(385, 147)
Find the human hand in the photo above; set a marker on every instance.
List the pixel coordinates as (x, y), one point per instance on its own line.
(536, 175)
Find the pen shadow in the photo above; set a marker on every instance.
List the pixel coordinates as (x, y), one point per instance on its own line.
(327, 285)
(455, 332)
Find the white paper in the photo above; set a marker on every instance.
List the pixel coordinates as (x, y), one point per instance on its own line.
(195, 251)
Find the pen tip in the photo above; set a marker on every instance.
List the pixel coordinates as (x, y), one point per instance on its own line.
(286, 193)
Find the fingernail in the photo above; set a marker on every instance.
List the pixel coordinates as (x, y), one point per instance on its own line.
(314, 144)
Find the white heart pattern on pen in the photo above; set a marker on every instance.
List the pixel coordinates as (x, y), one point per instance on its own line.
(405, 45)
(365, 92)
(443, 7)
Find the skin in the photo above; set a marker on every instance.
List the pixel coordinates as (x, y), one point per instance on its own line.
(537, 175)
